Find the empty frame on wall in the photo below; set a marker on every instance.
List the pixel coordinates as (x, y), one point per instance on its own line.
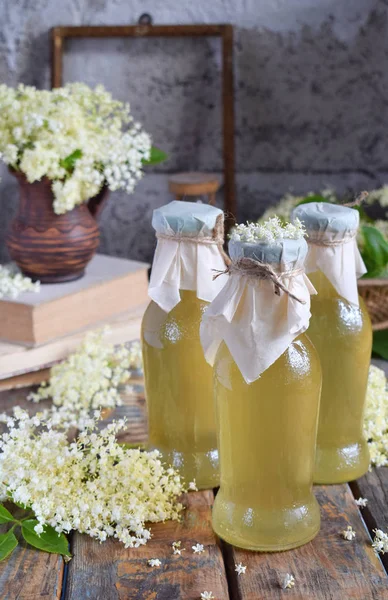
(145, 29)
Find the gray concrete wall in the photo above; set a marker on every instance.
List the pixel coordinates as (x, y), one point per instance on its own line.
(311, 93)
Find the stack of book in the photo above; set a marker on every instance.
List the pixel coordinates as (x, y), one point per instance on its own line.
(38, 330)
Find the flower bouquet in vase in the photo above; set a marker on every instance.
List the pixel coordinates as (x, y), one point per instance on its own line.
(67, 148)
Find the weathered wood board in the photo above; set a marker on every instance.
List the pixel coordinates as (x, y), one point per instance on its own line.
(111, 572)
(327, 568)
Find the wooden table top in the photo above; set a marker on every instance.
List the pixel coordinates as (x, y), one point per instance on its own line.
(328, 568)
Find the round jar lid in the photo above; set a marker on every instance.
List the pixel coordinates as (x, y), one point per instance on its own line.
(324, 216)
(280, 252)
(185, 218)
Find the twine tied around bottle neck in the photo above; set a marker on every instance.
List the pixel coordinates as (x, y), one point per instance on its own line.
(322, 240)
(257, 269)
(216, 239)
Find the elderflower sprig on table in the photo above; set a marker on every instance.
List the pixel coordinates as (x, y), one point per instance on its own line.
(361, 502)
(380, 541)
(92, 485)
(78, 137)
(88, 379)
(13, 283)
(348, 533)
(376, 417)
(288, 581)
(270, 231)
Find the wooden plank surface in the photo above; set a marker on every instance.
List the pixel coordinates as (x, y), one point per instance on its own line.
(29, 574)
(374, 487)
(110, 572)
(327, 568)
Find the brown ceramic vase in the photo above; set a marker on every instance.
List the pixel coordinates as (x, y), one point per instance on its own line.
(49, 247)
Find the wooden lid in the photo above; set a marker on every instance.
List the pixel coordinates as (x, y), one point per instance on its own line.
(193, 184)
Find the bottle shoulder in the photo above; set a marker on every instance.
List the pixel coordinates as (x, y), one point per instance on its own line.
(299, 360)
(336, 314)
(183, 321)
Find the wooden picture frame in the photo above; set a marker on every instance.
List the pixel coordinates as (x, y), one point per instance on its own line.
(224, 32)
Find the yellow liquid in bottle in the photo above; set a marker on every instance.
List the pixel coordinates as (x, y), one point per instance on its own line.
(179, 391)
(266, 436)
(342, 335)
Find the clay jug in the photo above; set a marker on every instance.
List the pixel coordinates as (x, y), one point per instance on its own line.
(48, 247)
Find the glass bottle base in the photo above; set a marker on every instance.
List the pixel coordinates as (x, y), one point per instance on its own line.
(339, 465)
(264, 530)
(203, 467)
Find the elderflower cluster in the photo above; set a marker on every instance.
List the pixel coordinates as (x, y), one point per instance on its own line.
(88, 379)
(380, 541)
(78, 137)
(288, 581)
(13, 283)
(286, 205)
(376, 417)
(92, 485)
(380, 195)
(270, 231)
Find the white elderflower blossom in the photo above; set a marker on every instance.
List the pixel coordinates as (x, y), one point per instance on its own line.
(286, 205)
(154, 562)
(176, 548)
(380, 195)
(380, 541)
(92, 485)
(78, 137)
(288, 581)
(13, 283)
(376, 417)
(198, 548)
(88, 379)
(240, 568)
(270, 231)
(361, 502)
(193, 486)
(207, 596)
(348, 533)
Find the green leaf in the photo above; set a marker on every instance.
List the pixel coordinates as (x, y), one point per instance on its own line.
(20, 505)
(380, 343)
(5, 515)
(374, 251)
(49, 540)
(157, 156)
(68, 163)
(8, 543)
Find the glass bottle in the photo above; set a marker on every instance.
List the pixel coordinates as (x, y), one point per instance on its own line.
(266, 427)
(341, 331)
(178, 380)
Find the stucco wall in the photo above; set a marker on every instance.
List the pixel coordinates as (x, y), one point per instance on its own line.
(311, 93)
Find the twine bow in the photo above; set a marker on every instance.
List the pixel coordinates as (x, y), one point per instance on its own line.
(260, 270)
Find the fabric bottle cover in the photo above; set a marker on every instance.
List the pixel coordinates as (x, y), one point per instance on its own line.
(332, 231)
(190, 238)
(256, 324)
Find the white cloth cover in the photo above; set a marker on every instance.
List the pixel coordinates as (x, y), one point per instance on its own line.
(341, 263)
(180, 264)
(257, 325)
